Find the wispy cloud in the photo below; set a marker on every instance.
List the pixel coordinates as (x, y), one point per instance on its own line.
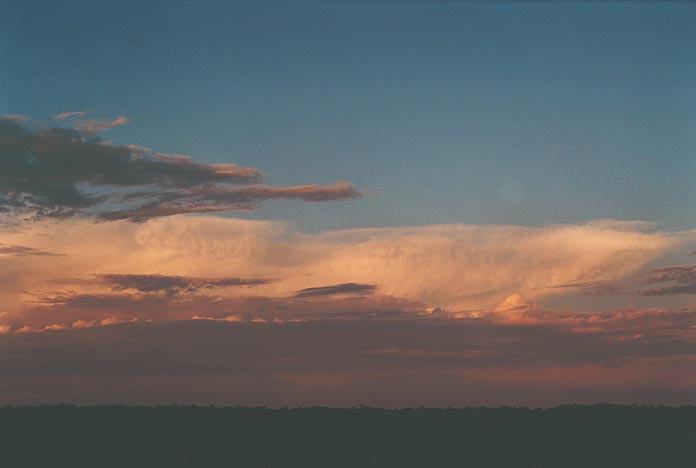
(207, 199)
(173, 284)
(22, 250)
(93, 126)
(336, 289)
(68, 115)
(595, 288)
(14, 117)
(682, 279)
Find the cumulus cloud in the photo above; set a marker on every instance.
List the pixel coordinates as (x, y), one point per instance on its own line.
(59, 172)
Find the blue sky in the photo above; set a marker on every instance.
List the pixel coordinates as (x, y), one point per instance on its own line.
(529, 113)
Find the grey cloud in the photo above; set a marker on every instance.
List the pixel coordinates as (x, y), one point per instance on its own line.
(210, 198)
(21, 250)
(332, 290)
(680, 274)
(173, 284)
(595, 288)
(62, 172)
(682, 279)
(672, 280)
(671, 290)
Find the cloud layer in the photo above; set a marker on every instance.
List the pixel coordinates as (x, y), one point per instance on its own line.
(217, 310)
(455, 267)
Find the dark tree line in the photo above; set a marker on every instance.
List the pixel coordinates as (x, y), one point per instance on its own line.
(177, 436)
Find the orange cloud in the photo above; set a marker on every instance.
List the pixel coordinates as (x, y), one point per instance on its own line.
(458, 267)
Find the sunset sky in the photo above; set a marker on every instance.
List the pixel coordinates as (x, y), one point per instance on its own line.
(328, 203)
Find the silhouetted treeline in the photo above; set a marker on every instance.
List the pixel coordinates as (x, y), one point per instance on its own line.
(177, 436)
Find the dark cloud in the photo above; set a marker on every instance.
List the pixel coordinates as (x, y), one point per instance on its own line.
(679, 274)
(673, 280)
(345, 288)
(211, 198)
(61, 172)
(595, 288)
(20, 250)
(671, 290)
(682, 279)
(173, 284)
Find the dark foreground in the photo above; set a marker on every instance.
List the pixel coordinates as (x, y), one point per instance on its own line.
(174, 436)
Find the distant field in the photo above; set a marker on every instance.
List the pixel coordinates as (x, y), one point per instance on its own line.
(174, 436)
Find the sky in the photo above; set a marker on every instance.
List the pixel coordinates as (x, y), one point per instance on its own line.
(342, 203)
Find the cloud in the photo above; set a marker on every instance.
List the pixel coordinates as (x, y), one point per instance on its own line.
(73, 309)
(350, 316)
(595, 288)
(93, 126)
(345, 288)
(68, 115)
(14, 118)
(682, 277)
(173, 284)
(61, 172)
(22, 250)
(514, 302)
(211, 199)
(455, 267)
(679, 274)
